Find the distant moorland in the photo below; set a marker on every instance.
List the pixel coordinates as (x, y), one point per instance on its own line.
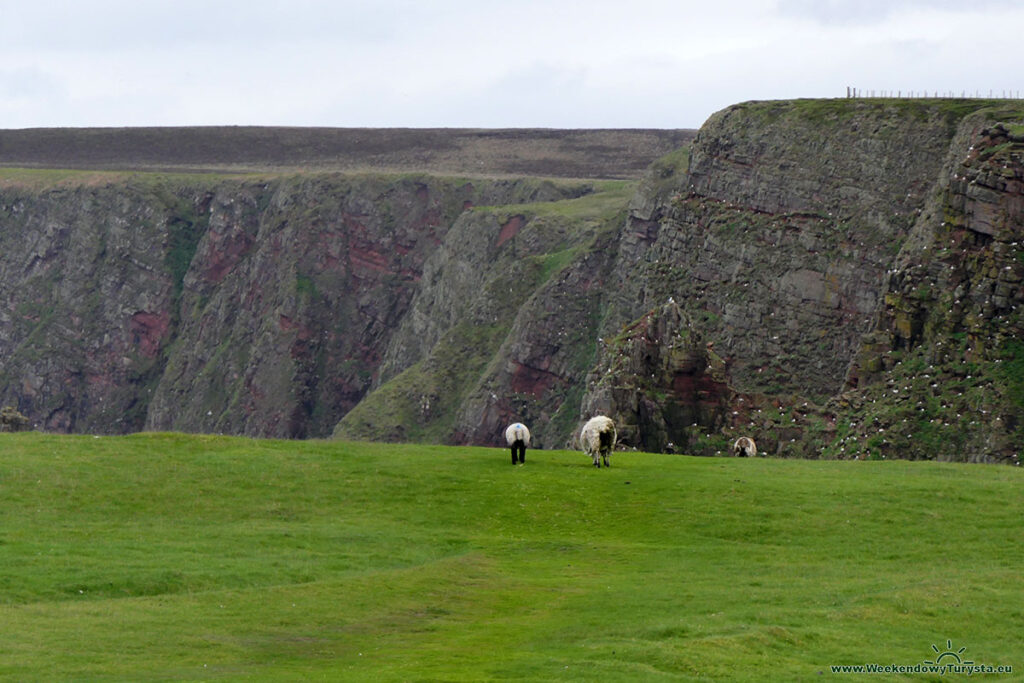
(607, 153)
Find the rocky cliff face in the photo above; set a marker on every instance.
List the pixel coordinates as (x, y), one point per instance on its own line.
(293, 290)
(780, 233)
(502, 326)
(833, 278)
(779, 243)
(941, 374)
(249, 307)
(88, 298)
(662, 382)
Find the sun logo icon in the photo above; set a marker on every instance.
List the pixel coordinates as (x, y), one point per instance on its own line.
(947, 654)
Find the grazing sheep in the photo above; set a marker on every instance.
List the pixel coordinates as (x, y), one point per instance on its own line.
(744, 447)
(518, 438)
(598, 439)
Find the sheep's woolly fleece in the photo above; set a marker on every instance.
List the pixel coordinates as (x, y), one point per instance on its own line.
(744, 446)
(593, 444)
(517, 432)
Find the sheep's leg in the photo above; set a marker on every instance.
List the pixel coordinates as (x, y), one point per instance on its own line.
(513, 455)
(522, 455)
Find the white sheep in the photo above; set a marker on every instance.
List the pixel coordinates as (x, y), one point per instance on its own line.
(518, 438)
(744, 447)
(598, 439)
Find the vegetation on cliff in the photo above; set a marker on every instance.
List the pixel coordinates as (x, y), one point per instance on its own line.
(252, 304)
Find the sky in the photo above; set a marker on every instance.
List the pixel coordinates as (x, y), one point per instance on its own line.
(481, 63)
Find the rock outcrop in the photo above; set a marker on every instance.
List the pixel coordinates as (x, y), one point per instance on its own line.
(88, 302)
(778, 236)
(12, 421)
(662, 382)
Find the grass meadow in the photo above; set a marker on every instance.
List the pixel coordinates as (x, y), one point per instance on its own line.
(174, 557)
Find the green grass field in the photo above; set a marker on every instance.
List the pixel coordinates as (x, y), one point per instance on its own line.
(175, 557)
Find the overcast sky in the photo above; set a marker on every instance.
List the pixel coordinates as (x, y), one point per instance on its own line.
(481, 63)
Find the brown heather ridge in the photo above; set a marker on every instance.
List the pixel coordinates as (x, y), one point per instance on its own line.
(580, 153)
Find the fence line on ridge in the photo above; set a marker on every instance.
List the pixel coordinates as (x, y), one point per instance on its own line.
(857, 93)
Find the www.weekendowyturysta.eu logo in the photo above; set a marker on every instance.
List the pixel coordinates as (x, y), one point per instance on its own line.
(945, 661)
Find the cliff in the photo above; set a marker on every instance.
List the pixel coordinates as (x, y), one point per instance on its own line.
(941, 373)
(503, 325)
(257, 307)
(815, 245)
(241, 302)
(781, 231)
(836, 278)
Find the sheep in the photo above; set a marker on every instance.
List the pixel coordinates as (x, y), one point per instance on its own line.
(518, 438)
(744, 447)
(598, 439)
